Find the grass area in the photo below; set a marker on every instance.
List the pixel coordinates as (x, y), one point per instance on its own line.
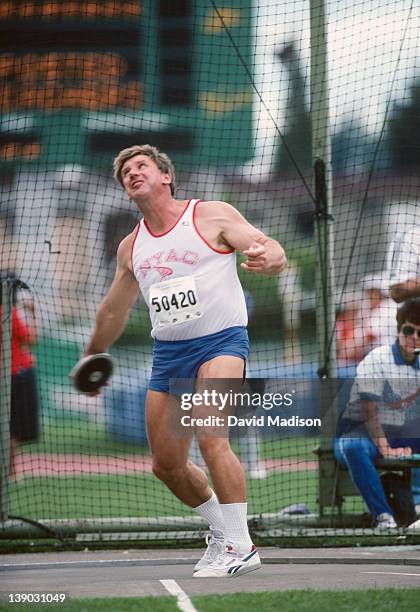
(142, 495)
(80, 436)
(114, 495)
(127, 604)
(105, 496)
(301, 448)
(377, 600)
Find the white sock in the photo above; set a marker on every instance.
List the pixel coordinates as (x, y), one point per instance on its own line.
(236, 526)
(211, 511)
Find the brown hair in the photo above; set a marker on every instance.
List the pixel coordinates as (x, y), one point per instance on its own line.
(161, 160)
(409, 311)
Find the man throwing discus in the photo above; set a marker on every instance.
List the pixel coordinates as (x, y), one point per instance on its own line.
(181, 256)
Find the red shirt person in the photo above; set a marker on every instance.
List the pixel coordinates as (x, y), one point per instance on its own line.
(24, 398)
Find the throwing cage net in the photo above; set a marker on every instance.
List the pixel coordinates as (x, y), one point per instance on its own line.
(227, 90)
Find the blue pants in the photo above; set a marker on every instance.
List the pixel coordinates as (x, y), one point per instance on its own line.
(359, 455)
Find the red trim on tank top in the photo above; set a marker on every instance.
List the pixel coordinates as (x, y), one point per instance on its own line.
(204, 240)
(133, 243)
(171, 228)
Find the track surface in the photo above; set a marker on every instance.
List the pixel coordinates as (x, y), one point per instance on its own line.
(50, 464)
(136, 573)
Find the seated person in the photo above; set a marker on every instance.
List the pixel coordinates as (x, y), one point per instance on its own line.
(374, 423)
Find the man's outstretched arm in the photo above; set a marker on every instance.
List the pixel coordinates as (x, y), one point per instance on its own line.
(264, 255)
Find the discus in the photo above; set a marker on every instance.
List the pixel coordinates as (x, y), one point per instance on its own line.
(92, 372)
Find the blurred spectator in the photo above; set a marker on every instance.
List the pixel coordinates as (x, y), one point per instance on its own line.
(367, 321)
(380, 309)
(348, 323)
(24, 398)
(292, 297)
(250, 442)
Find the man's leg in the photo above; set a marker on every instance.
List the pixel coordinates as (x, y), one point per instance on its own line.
(229, 482)
(187, 481)
(170, 453)
(225, 468)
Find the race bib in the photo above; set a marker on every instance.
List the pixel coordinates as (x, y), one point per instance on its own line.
(174, 301)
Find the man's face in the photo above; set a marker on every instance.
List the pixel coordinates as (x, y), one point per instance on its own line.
(408, 337)
(141, 177)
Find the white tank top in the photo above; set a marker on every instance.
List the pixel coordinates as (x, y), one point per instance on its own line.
(190, 288)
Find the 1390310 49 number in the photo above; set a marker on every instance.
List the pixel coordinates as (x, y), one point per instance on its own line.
(39, 597)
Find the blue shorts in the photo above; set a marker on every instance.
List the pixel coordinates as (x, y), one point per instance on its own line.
(183, 358)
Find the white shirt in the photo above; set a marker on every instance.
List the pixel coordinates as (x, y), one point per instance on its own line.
(190, 288)
(383, 377)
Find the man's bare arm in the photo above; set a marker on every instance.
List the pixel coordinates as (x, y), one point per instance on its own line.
(114, 310)
(402, 291)
(376, 431)
(264, 255)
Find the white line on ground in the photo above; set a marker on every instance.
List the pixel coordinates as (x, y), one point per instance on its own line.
(184, 602)
(392, 573)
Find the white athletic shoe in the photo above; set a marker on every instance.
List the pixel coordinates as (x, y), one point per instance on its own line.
(215, 545)
(231, 563)
(385, 521)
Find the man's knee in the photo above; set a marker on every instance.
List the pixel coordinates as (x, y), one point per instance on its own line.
(166, 471)
(213, 447)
